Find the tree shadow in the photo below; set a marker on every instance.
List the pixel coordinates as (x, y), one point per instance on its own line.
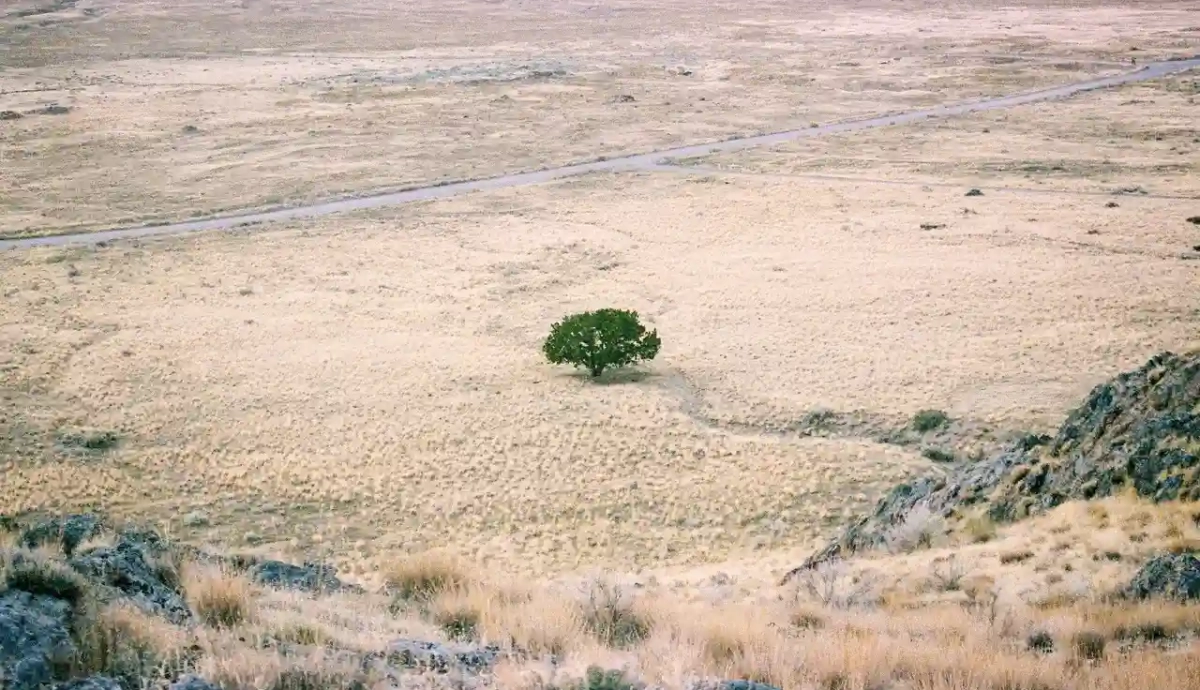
(612, 377)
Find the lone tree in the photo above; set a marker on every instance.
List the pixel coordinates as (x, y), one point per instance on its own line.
(599, 340)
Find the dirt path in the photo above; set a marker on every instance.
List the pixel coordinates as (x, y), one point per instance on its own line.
(639, 162)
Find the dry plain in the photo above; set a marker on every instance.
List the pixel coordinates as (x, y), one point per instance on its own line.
(362, 386)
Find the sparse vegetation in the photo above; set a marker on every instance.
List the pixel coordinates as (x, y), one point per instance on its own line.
(600, 340)
(221, 599)
(612, 616)
(929, 420)
(421, 577)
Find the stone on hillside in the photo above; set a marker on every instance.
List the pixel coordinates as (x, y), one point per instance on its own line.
(441, 658)
(1141, 430)
(192, 683)
(69, 531)
(1167, 576)
(126, 568)
(92, 683)
(310, 577)
(35, 639)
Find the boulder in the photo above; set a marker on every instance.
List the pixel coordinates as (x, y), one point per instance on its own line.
(441, 658)
(69, 531)
(1167, 576)
(192, 683)
(125, 567)
(1141, 429)
(92, 683)
(310, 577)
(35, 639)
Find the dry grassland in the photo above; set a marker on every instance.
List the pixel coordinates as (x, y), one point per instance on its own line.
(373, 382)
(1135, 140)
(190, 108)
(367, 387)
(1024, 610)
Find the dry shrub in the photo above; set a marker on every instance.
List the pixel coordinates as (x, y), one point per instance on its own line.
(1146, 621)
(130, 645)
(833, 584)
(540, 625)
(38, 574)
(979, 528)
(1089, 644)
(219, 598)
(460, 611)
(919, 530)
(421, 577)
(613, 616)
(233, 666)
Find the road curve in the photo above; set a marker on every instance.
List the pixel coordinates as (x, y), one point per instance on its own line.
(644, 162)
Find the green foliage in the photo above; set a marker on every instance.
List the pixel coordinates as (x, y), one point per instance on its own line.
(599, 340)
(939, 455)
(928, 420)
(600, 679)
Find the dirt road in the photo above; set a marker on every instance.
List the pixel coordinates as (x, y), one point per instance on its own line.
(641, 162)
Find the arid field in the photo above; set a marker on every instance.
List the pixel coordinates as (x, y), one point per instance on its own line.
(369, 387)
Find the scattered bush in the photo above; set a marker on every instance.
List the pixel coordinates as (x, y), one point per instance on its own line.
(1011, 557)
(38, 575)
(830, 584)
(220, 599)
(91, 440)
(939, 455)
(126, 644)
(610, 615)
(421, 577)
(980, 528)
(1040, 641)
(599, 340)
(918, 531)
(1089, 644)
(597, 678)
(928, 420)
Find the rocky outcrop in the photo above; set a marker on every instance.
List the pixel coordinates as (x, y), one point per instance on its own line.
(1168, 576)
(92, 683)
(126, 567)
(35, 638)
(310, 577)
(1141, 430)
(190, 682)
(440, 658)
(68, 532)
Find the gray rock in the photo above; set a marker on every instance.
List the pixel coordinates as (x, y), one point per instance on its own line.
(125, 568)
(310, 577)
(1168, 576)
(192, 683)
(196, 519)
(69, 531)
(439, 658)
(35, 639)
(745, 685)
(92, 683)
(1140, 429)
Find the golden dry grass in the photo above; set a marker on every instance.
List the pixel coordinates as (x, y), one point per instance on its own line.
(367, 384)
(368, 387)
(205, 108)
(220, 599)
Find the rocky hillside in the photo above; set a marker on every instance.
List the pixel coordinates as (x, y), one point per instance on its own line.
(1138, 432)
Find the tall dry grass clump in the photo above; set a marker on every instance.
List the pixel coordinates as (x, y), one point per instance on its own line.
(420, 577)
(219, 598)
(125, 643)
